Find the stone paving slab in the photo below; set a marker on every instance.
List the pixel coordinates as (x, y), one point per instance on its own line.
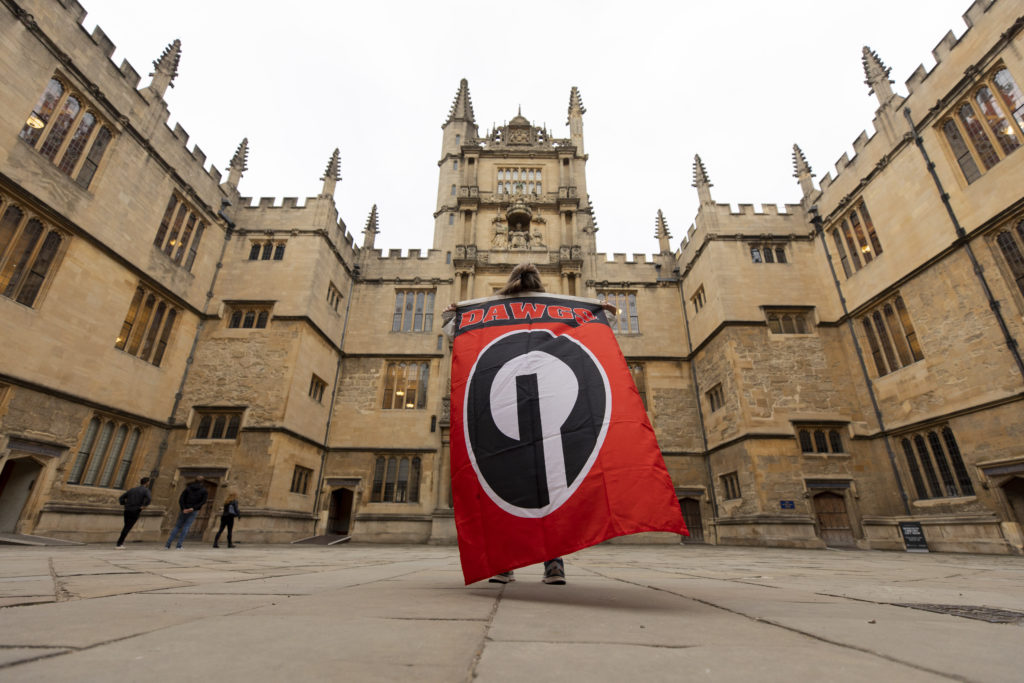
(401, 613)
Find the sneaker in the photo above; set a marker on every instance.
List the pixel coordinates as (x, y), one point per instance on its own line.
(554, 573)
(179, 548)
(504, 577)
(119, 547)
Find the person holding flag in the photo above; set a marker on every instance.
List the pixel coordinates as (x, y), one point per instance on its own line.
(551, 448)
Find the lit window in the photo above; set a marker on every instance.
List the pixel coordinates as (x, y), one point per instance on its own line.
(986, 126)
(61, 128)
(180, 232)
(29, 250)
(891, 336)
(405, 385)
(147, 326)
(626, 320)
(856, 240)
(396, 479)
(105, 454)
(1010, 243)
(414, 310)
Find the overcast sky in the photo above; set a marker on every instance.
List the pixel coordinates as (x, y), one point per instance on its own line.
(736, 81)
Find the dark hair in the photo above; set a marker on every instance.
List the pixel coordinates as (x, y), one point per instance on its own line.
(144, 481)
(524, 278)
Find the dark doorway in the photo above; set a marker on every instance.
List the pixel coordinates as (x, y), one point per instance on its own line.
(16, 482)
(205, 512)
(1014, 490)
(833, 521)
(691, 515)
(340, 518)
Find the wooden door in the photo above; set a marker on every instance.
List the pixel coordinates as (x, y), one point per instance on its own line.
(691, 515)
(833, 521)
(1014, 490)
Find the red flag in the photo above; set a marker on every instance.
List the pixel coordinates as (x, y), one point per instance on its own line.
(551, 448)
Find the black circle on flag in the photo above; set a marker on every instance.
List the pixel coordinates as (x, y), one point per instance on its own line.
(536, 413)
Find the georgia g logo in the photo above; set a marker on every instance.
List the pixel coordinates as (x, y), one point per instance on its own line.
(536, 413)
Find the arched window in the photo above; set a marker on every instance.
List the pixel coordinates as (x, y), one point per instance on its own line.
(755, 254)
(127, 458)
(60, 128)
(976, 134)
(77, 144)
(453, 191)
(268, 251)
(254, 251)
(154, 329)
(250, 319)
(805, 441)
(835, 441)
(218, 427)
(115, 455)
(915, 471)
(966, 486)
(768, 256)
(236, 319)
(261, 319)
(234, 422)
(279, 251)
(83, 451)
(780, 254)
(927, 466)
(820, 444)
(164, 336)
(944, 470)
(98, 453)
(1001, 129)
(377, 493)
(203, 430)
(42, 112)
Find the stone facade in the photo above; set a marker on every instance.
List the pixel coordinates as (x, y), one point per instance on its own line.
(815, 373)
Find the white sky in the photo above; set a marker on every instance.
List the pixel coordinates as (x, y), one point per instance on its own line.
(736, 81)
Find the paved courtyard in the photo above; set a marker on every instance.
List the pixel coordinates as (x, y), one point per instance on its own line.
(400, 613)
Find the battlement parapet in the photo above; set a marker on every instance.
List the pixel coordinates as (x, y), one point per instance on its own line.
(620, 258)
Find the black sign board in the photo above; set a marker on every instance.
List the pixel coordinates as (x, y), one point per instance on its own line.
(913, 537)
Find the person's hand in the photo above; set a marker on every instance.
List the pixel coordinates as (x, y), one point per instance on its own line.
(609, 307)
(450, 309)
(187, 510)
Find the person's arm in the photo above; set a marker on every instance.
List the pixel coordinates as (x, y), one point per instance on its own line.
(121, 499)
(146, 497)
(448, 322)
(181, 502)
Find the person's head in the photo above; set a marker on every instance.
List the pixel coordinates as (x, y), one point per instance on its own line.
(144, 481)
(230, 497)
(524, 278)
(200, 479)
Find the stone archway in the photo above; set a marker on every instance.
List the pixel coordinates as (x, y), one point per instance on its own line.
(17, 479)
(1014, 492)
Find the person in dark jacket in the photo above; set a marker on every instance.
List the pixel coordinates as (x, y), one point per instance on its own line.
(133, 501)
(227, 519)
(190, 500)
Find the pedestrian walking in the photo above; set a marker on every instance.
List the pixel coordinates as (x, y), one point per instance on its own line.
(133, 501)
(227, 519)
(190, 500)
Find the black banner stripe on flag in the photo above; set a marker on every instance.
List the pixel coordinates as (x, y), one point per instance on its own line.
(551, 447)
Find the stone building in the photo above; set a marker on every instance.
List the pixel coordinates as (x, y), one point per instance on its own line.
(815, 374)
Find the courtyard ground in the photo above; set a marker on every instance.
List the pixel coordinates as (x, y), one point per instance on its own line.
(400, 613)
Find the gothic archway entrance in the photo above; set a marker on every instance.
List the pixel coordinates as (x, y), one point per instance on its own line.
(691, 515)
(17, 480)
(833, 520)
(1014, 491)
(339, 519)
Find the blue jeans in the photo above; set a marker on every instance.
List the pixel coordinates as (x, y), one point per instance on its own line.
(183, 524)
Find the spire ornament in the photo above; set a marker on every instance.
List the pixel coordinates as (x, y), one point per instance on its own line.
(239, 163)
(876, 75)
(371, 230)
(462, 105)
(662, 234)
(575, 122)
(332, 174)
(701, 181)
(802, 171)
(165, 69)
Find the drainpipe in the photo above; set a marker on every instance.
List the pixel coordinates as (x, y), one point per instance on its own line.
(334, 397)
(819, 231)
(961, 234)
(700, 410)
(162, 449)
